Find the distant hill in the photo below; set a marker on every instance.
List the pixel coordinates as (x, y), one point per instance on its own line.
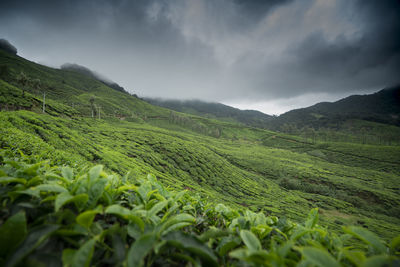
(71, 90)
(382, 107)
(215, 110)
(92, 74)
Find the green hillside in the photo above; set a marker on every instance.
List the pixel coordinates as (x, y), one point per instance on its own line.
(371, 119)
(215, 110)
(364, 119)
(242, 167)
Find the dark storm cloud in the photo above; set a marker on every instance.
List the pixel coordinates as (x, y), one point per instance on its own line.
(325, 60)
(223, 50)
(257, 9)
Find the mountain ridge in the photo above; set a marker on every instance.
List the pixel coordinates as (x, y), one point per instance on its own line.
(382, 106)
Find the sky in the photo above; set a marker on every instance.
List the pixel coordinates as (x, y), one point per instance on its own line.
(272, 56)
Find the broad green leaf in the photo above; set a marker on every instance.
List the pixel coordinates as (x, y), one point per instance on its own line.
(213, 232)
(125, 188)
(119, 247)
(259, 257)
(125, 214)
(379, 260)
(193, 245)
(367, 237)
(319, 257)
(86, 218)
(284, 249)
(35, 237)
(143, 190)
(32, 169)
(140, 248)
(50, 175)
(299, 232)
(51, 188)
(65, 198)
(262, 230)
(134, 230)
(119, 210)
(149, 194)
(83, 255)
(176, 219)
(178, 196)
(7, 180)
(12, 233)
(30, 191)
(250, 240)
(395, 244)
(95, 192)
(240, 253)
(68, 257)
(356, 257)
(176, 226)
(157, 208)
(312, 218)
(67, 173)
(94, 172)
(227, 244)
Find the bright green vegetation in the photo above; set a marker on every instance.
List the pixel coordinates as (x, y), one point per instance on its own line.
(54, 215)
(350, 183)
(242, 167)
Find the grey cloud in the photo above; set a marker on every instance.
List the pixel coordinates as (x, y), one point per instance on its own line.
(223, 50)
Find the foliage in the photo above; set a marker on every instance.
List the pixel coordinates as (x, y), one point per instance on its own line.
(273, 173)
(85, 217)
(350, 183)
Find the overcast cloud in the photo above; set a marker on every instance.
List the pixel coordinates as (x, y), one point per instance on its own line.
(269, 55)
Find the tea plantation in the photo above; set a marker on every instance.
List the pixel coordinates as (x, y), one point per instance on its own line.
(103, 178)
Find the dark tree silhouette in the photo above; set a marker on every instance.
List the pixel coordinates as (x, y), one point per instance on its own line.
(6, 46)
(92, 106)
(23, 80)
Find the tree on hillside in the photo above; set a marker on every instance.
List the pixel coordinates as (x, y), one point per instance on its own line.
(91, 100)
(4, 72)
(37, 85)
(23, 80)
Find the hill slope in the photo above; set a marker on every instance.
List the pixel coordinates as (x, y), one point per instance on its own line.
(382, 107)
(214, 110)
(227, 162)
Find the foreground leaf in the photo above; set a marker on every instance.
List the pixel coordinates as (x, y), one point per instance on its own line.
(319, 257)
(83, 256)
(33, 240)
(12, 233)
(367, 237)
(250, 240)
(65, 198)
(139, 250)
(193, 245)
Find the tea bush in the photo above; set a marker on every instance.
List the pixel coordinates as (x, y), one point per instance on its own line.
(60, 216)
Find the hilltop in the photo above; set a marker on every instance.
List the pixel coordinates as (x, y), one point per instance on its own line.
(382, 107)
(214, 110)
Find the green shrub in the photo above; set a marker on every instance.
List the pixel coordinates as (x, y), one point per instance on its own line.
(80, 217)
